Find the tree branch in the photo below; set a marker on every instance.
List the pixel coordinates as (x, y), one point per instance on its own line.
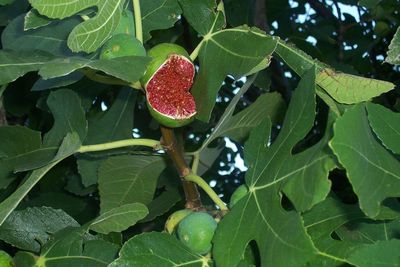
(175, 152)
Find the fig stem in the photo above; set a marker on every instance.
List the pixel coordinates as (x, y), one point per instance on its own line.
(138, 20)
(122, 143)
(205, 186)
(196, 51)
(196, 161)
(175, 152)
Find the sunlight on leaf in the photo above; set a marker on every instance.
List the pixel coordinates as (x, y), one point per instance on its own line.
(90, 34)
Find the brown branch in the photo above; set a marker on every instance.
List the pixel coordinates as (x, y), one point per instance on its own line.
(341, 31)
(175, 152)
(321, 9)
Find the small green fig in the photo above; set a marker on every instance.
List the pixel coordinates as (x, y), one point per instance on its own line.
(5, 259)
(196, 232)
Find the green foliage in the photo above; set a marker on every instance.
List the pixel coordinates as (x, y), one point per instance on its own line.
(5, 259)
(393, 55)
(298, 102)
(122, 45)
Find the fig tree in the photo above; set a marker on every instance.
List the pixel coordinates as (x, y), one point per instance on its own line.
(167, 82)
(122, 45)
(196, 232)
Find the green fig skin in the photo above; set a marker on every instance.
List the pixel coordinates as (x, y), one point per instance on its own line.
(166, 121)
(5, 259)
(196, 232)
(122, 45)
(160, 54)
(239, 193)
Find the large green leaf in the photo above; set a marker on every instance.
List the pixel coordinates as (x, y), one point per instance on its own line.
(321, 222)
(162, 203)
(128, 179)
(386, 125)
(69, 146)
(157, 249)
(114, 124)
(21, 148)
(90, 34)
(69, 116)
(279, 234)
(373, 172)
(158, 15)
(369, 231)
(129, 69)
(379, 254)
(236, 52)
(71, 247)
(203, 16)
(33, 20)
(393, 55)
(51, 39)
(30, 228)
(119, 219)
(16, 64)
(342, 87)
(239, 125)
(350, 89)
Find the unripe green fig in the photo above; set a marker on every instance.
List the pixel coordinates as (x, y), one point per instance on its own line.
(5, 259)
(122, 45)
(196, 232)
(167, 82)
(175, 218)
(126, 23)
(239, 193)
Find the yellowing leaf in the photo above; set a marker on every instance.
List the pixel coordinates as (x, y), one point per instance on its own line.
(351, 89)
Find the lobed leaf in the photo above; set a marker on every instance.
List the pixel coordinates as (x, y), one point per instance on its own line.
(259, 216)
(119, 219)
(204, 16)
(71, 247)
(386, 126)
(28, 229)
(50, 39)
(158, 15)
(128, 179)
(342, 87)
(228, 52)
(90, 34)
(149, 249)
(239, 125)
(373, 172)
(393, 54)
(69, 146)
